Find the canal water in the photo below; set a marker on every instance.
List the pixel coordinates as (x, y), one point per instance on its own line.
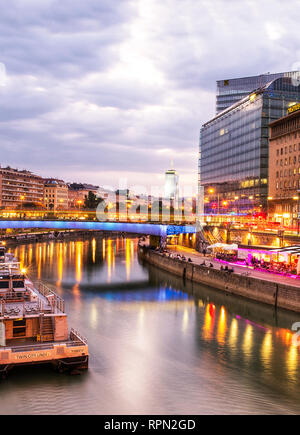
(157, 345)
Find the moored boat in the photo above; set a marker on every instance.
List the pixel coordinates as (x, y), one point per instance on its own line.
(34, 325)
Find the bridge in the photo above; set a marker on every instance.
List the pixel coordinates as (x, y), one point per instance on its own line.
(151, 229)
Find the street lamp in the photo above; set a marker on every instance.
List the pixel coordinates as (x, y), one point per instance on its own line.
(211, 190)
(270, 198)
(236, 198)
(22, 197)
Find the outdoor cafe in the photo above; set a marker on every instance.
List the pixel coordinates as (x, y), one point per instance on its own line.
(279, 260)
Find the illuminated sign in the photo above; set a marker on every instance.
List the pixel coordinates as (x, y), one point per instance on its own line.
(294, 108)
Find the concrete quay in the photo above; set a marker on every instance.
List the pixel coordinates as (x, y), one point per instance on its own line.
(271, 289)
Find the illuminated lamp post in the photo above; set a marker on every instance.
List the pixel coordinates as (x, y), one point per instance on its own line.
(128, 206)
(211, 191)
(251, 204)
(268, 208)
(225, 204)
(149, 211)
(236, 198)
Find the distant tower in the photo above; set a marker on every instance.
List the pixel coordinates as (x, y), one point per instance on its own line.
(171, 184)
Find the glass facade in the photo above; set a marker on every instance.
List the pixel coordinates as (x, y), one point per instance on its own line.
(233, 163)
(231, 91)
(171, 184)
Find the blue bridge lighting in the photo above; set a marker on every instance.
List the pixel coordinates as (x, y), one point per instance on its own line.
(136, 228)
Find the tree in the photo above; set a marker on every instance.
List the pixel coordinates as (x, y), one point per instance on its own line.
(91, 201)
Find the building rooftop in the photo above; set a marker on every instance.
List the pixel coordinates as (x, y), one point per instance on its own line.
(268, 86)
(288, 116)
(82, 186)
(19, 171)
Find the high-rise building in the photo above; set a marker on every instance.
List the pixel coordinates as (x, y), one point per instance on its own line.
(284, 168)
(171, 184)
(234, 151)
(20, 187)
(230, 91)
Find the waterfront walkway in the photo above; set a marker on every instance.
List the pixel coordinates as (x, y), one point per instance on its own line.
(198, 258)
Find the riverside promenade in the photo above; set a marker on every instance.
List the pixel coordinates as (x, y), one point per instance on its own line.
(269, 288)
(198, 258)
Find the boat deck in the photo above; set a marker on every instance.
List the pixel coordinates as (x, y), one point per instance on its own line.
(22, 309)
(33, 324)
(43, 301)
(30, 344)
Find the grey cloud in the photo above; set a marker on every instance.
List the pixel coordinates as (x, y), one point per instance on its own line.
(61, 38)
(69, 109)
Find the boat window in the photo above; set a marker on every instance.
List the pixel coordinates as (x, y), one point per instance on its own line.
(19, 328)
(4, 284)
(18, 284)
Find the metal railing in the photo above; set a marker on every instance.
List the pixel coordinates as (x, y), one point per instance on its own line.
(76, 337)
(30, 347)
(55, 301)
(8, 266)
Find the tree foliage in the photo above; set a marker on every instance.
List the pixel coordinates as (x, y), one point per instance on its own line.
(91, 201)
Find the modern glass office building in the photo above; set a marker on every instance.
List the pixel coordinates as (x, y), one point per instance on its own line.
(171, 184)
(231, 91)
(234, 149)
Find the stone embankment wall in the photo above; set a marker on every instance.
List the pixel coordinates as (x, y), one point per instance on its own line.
(272, 293)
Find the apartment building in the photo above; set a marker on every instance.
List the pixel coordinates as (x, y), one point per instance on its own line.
(19, 188)
(284, 168)
(55, 194)
(78, 192)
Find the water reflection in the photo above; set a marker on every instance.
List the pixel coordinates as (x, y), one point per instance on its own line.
(92, 258)
(159, 345)
(222, 326)
(266, 351)
(233, 336)
(209, 322)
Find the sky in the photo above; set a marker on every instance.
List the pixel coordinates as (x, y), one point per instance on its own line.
(101, 90)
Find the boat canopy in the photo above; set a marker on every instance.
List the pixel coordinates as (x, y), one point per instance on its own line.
(291, 250)
(233, 247)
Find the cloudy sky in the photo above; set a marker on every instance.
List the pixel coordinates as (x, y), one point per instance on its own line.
(96, 90)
